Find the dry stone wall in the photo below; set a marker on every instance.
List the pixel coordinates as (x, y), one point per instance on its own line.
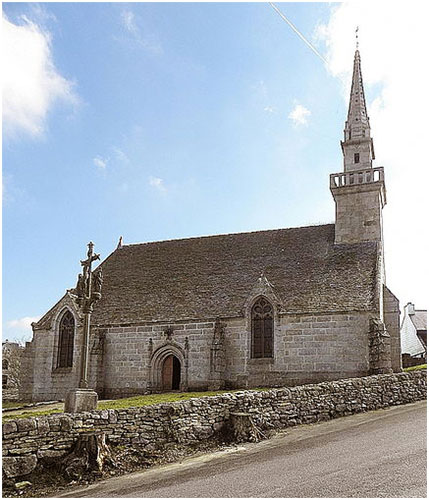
(27, 442)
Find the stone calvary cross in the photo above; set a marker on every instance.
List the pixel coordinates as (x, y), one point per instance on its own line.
(88, 291)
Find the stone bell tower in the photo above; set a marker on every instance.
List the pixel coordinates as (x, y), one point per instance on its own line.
(359, 192)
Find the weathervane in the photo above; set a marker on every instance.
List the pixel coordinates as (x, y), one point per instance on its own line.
(357, 37)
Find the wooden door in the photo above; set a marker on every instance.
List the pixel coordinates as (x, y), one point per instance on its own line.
(167, 373)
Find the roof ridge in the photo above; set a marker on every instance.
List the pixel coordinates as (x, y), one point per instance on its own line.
(226, 234)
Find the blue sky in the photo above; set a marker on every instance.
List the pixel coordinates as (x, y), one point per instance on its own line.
(163, 121)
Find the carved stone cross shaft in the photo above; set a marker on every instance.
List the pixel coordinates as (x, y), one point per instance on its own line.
(86, 300)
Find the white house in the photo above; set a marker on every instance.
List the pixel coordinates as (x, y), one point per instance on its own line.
(414, 332)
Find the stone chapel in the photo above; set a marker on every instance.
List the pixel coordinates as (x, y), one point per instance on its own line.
(266, 308)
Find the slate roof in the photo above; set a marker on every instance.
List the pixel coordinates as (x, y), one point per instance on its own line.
(213, 276)
(419, 319)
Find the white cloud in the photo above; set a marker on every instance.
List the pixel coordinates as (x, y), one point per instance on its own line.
(31, 83)
(391, 47)
(147, 41)
(157, 183)
(129, 21)
(100, 162)
(120, 155)
(299, 115)
(22, 323)
(270, 109)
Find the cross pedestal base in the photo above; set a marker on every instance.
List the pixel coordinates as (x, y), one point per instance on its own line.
(78, 400)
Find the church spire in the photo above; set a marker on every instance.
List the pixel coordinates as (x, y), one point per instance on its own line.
(358, 148)
(359, 191)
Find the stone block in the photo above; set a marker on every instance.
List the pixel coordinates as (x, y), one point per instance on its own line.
(26, 424)
(66, 423)
(42, 425)
(21, 485)
(79, 400)
(9, 427)
(144, 329)
(50, 456)
(19, 466)
(113, 416)
(159, 328)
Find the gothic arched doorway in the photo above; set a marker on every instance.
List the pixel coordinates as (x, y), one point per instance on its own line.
(171, 374)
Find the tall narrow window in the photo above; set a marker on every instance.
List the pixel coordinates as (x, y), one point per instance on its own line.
(357, 158)
(66, 341)
(262, 329)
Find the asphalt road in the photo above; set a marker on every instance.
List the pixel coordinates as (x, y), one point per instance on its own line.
(376, 454)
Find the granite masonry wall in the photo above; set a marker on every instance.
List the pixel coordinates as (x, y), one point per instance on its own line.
(27, 442)
(127, 360)
(392, 322)
(358, 205)
(133, 356)
(43, 381)
(307, 348)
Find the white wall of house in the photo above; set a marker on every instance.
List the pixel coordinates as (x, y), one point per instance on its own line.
(410, 343)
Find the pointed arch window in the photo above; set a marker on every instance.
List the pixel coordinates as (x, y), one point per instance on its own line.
(66, 340)
(262, 329)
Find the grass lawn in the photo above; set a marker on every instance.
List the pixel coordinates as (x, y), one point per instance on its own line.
(113, 404)
(30, 413)
(11, 404)
(153, 399)
(412, 368)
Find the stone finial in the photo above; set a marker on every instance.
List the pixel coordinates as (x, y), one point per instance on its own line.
(264, 287)
(263, 280)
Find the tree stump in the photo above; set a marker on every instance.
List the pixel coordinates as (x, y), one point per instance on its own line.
(90, 454)
(244, 429)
